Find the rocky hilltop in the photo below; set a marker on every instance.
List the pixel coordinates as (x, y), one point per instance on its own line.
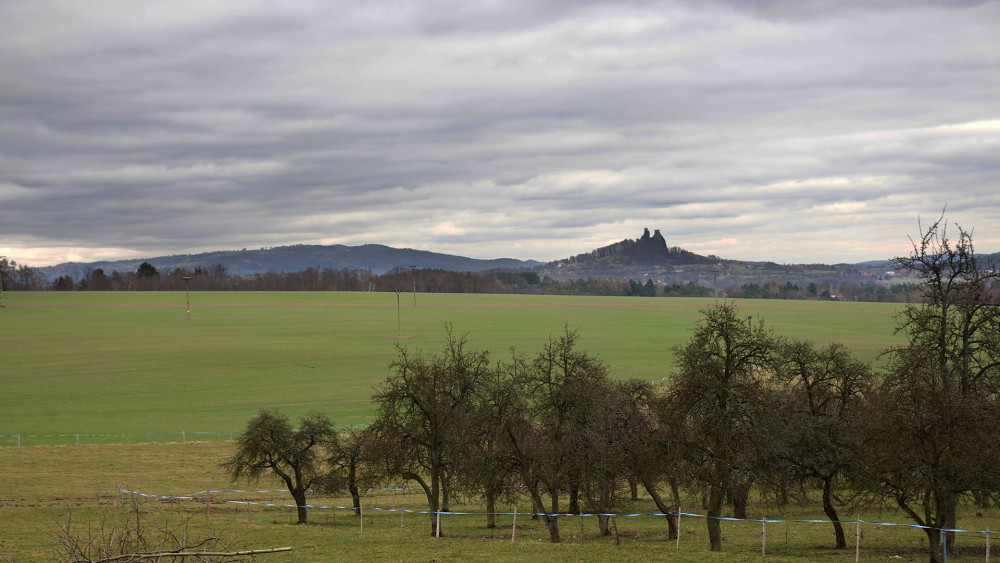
(647, 250)
(648, 256)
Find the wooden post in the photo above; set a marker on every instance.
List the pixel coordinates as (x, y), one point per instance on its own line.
(513, 528)
(437, 526)
(678, 528)
(987, 545)
(400, 520)
(183, 437)
(944, 547)
(78, 439)
(361, 518)
(208, 507)
(763, 537)
(857, 541)
(19, 440)
(581, 526)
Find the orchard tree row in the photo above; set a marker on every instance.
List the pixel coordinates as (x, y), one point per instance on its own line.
(744, 413)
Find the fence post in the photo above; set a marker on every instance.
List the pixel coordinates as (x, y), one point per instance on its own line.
(987, 545)
(401, 511)
(183, 437)
(763, 537)
(857, 541)
(513, 528)
(78, 439)
(678, 527)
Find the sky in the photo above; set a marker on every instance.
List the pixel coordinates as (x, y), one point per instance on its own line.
(786, 130)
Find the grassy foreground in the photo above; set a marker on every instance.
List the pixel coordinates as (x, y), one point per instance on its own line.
(45, 486)
(130, 366)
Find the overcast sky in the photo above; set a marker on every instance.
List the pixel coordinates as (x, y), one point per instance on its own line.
(794, 131)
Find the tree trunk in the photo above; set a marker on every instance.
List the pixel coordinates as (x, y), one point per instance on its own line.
(300, 506)
(605, 504)
(602, 525)
(714, 512)
(445, 492)
(934, 541)
(634, 489)
(356, 499)
(352, 486)
(662, 507)
(491, 509)
(740, 495)
(432, 493)
(574, 500)
(950, 510)
(553, 519)
(831, 513)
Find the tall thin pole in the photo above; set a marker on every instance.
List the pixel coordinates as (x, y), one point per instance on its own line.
(187, 291)
(413, 272)
(715, 284)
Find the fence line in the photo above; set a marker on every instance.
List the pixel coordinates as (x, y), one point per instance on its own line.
(195, 496)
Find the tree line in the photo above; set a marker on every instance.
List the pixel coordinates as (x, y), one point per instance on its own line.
(425, 280)
(744, 414)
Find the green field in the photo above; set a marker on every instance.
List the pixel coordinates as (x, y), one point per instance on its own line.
(43, 487)
(131, 365)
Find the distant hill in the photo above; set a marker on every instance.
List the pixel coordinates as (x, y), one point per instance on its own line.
(647, 256)
(378, 257)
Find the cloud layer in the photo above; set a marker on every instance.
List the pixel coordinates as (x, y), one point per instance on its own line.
(792, 131)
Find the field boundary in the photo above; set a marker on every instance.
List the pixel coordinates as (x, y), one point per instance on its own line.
(206, 495)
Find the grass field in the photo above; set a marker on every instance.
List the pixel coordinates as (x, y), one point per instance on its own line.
(131, 363)
(45, 486)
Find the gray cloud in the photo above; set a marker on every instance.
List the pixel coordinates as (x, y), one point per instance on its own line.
(798, 131)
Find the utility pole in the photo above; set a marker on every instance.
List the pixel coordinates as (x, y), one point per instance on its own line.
(187, 290)
(413, 274)
(715, 284)
(399, 323)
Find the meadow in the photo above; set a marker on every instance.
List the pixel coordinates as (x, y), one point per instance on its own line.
(129, 372)
(132, 366)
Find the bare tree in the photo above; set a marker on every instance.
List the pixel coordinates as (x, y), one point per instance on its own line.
(815, 414)
(716, 395)
(934, 418)
(556, 391)
(271, 445)
(424, 408)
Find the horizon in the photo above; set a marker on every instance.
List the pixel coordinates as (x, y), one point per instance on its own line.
(266, 248)
(818, 132)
